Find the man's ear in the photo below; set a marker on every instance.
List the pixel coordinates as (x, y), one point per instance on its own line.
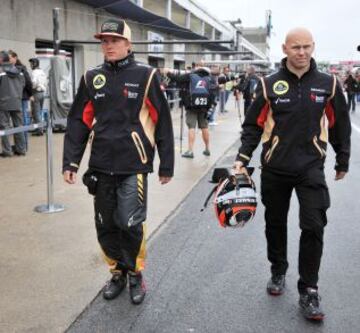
(284, 48)
(129, 45)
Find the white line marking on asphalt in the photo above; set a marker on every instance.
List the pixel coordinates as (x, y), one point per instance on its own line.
(356, 128)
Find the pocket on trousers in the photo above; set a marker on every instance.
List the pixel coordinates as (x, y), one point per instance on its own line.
(315, 189)
(131, 202)
(90, 180)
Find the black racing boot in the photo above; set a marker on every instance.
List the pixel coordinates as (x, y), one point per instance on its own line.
(137, 288)
(309, 302)
(276, 285)
(115, 286)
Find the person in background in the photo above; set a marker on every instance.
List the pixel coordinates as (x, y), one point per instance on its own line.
(357, 78)
(27, 92)
(196, 113)
(12, 83)
(249, 87)
(351, 86)
(225, 89)
(39, 84)
(214, 88)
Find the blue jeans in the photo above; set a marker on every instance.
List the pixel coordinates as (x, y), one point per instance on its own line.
(26, 118)
(36, 107)
(222, 98)
(211, 114)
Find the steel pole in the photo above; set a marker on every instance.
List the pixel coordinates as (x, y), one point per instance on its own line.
(51, 207)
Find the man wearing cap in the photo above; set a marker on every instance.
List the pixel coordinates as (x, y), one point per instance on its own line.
(121, 110)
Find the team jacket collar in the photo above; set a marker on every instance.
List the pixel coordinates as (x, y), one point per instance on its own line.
(120, 63)
(286, 70)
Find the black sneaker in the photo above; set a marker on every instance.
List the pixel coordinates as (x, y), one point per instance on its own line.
(137, 288)
(206, 152)
(115, 286)
(309, 302)
(276, 285)
(3, 154)
(20, 153)
(188, 154)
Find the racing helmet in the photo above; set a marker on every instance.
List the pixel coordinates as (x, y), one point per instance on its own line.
(235, 201)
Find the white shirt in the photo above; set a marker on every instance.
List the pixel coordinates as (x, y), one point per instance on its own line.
(39, 80)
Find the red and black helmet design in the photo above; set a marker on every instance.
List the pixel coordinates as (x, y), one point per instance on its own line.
(235, 201)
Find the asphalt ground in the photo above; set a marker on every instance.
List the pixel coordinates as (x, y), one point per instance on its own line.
(203, 278)
(51, 266)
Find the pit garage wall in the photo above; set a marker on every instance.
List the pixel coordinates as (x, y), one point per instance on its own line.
(24, 21)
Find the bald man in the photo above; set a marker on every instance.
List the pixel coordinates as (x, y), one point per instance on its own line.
(296, 112)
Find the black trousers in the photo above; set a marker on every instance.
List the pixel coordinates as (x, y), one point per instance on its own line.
(120, 210)
(351, 101)
(314, 200)
(247, 103)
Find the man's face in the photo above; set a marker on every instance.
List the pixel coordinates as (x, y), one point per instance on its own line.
(299, 49)
(251, 70)
(115, 48)
(12, 59)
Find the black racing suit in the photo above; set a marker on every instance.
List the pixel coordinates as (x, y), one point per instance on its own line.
(121, 110)
(295, 118)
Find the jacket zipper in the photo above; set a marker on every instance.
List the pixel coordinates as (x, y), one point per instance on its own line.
(317, 146)
(91, 138)
(140, 147)
(274, 143)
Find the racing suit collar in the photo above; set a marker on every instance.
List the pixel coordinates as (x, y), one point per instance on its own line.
(120, 63)
(312, 67)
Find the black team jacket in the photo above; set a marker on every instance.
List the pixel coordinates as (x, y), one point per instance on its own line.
(296, 118)
(121, 110)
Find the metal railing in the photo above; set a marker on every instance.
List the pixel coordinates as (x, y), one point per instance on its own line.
(50, 206)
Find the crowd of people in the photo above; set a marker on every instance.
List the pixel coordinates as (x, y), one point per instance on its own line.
(23, 97)
(216, 86)
(18, 89)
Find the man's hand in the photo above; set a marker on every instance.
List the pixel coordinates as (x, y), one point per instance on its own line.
(32, 99)
(340, 175)
(164, 180)
(70, 177)
(239, 168)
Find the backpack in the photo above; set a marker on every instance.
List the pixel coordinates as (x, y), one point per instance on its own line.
(200, 97)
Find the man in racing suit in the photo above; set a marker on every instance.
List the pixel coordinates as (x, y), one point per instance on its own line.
(296, 112)
(121, 110)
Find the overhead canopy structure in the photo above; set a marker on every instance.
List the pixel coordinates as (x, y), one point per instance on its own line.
(128, 10)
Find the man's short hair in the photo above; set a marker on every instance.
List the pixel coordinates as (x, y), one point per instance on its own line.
(4, 56)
